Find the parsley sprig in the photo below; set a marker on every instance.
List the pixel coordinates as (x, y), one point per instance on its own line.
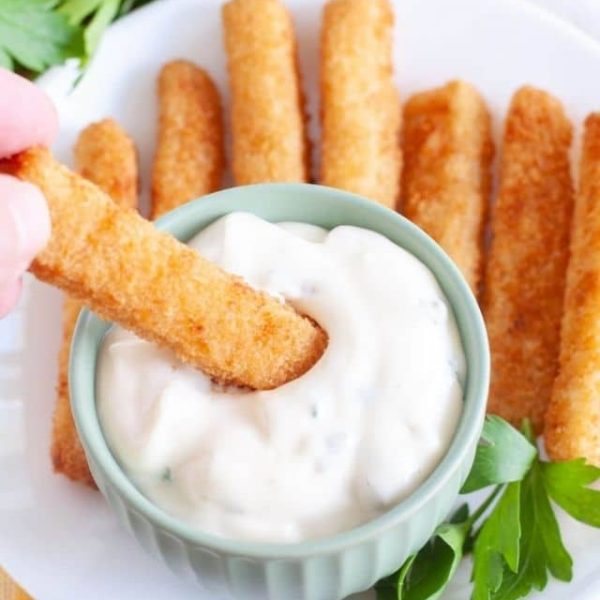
(38, 34)
(513, 535)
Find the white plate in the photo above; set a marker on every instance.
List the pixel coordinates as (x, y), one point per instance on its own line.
(57, 538)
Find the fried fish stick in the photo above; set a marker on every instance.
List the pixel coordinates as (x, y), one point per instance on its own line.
(573, 416)
(360, 108)
(189, 158)
(105, 155)
(66, 451)
(129, 272)
(269, 137)
(446, 178)
(525, 277)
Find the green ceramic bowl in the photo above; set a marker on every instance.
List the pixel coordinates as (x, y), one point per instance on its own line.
(328, 568)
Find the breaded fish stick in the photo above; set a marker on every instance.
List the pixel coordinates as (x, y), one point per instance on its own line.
(66, 451)
(269, 137)
(446, 178)
(129, 272)
(360, 108)
(105, 155)
(573, 417)
(525, 277)
(189, 158)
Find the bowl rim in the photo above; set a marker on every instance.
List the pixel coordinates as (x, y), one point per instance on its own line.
(83, 362)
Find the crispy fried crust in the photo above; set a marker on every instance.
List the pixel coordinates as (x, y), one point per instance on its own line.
(105, 155)
(447, 151)
(189, 158)
(67, 453)
(129, 272)
(269, 137)
(573, 417)
(360, 108)
(525, 278)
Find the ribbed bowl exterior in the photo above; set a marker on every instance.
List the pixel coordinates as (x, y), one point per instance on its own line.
(325, 576)
(324, 569)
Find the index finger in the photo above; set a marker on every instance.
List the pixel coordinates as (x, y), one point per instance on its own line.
(27, 116)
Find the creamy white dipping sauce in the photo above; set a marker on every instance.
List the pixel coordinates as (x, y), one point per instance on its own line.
(321, 454)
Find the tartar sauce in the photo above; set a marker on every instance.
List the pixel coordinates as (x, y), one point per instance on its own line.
(321, 454)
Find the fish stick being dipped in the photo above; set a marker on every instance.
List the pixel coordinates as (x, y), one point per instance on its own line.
(360, 108)
(189, 159)
(269, 137)
(127, 271)
(572, 427)
(105, 155)
(525, 275)
(446, 177)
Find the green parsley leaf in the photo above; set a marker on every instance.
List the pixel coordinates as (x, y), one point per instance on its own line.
(78, 10)
(497, 544)
(34, 36)
(435, 564)
(38, 34)
(567, 484)
(503, 455)
(95, 15)
(460, 515)
(129, 5)
(391, 587)
(425, 575)
(101, 20)
(541, 548)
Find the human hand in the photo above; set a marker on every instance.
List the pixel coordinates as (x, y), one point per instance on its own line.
(27, 118)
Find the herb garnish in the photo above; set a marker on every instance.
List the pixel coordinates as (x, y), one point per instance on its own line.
(38, 34)
(518, 544)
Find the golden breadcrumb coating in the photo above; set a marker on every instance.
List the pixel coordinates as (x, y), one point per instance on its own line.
(360, 107)
(525, 277)
(573, 416)
(66, 451)
(447, 149)
(189, 158)
(269, 137)
(105, 155)
(144, 279)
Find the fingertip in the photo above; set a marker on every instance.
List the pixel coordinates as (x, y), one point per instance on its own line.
(27, 116)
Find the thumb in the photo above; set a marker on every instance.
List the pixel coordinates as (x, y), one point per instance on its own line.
(27, 117)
